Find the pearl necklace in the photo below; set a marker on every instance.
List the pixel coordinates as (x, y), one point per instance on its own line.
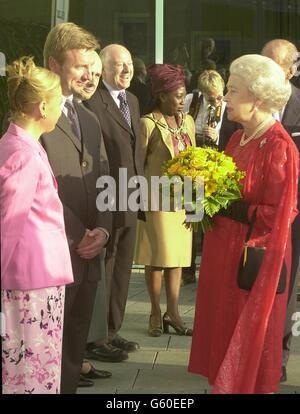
(256, 134)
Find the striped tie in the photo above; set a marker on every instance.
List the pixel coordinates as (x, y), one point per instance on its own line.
(124, 108)
(73, 118)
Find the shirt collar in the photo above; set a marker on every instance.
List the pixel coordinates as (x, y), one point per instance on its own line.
(67, 98)
(112, 91)
(205, 102)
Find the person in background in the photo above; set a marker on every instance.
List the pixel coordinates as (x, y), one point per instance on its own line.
(285, 54)
(163, 243)
(180, 56)
(206, 60)
(139, 85)
(35, 258)
(206, 106)
(237, 340)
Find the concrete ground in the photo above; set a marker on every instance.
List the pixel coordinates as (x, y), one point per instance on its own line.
(160, 366)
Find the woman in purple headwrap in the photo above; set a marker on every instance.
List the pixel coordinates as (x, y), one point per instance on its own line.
(163, 243)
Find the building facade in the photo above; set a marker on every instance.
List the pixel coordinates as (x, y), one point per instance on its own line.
(161, 31)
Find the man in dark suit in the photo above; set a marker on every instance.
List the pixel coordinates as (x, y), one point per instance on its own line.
(139, 85)
(226, 131)
(118, 113)
(74, 150)
(285, 54)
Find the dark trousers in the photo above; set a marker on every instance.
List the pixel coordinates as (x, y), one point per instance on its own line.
(118, 263)
(79, 304)
(292, 296)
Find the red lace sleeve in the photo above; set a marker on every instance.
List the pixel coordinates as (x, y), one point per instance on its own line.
(274, 182)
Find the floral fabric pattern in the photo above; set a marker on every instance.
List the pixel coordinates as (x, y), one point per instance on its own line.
(32, 340)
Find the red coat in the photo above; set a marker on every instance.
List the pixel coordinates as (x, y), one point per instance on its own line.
(237, 340)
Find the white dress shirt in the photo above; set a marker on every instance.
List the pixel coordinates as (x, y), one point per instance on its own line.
(114, 93)
(201, 120)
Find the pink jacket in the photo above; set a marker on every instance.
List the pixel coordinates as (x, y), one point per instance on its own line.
(34, 247)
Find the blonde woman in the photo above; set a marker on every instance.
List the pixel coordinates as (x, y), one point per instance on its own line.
(35, 260)
(208, 97)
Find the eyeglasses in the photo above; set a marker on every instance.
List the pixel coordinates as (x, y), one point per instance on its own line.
(214, 99)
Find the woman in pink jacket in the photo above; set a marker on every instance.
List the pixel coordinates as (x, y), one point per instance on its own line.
(35, 260)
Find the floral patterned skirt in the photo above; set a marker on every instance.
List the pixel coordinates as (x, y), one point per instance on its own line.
(32, 340)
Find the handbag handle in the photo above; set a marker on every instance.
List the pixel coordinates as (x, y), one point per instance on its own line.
(251, 225)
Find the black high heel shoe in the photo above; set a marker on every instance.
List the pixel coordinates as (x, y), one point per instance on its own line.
(154, 330)
(179, 329)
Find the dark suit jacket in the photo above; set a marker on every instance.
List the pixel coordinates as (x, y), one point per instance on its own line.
(123, 144)
(227, 129)
(291, 116)
(143, 93)
(77, 166)
(291, 122)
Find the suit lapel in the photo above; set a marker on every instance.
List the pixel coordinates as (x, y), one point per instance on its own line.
(167, 138)
(45, 159)
(165, 134)
(135, 118)
(113, 109)
(65, 126)
(291, 114)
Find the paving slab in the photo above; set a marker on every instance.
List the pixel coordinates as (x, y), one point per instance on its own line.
(160, 366)
(171, 379)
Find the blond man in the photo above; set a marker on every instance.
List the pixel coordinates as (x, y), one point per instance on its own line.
(74, 149)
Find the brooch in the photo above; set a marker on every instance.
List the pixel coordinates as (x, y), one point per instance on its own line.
(262, 142)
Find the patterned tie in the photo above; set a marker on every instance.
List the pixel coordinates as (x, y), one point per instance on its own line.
(124, 108)
(73, 118)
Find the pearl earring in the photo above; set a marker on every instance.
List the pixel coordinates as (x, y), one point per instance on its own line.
(44, 116)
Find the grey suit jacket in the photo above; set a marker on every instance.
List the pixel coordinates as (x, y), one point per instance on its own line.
(291, 116)
(291, 121)
(77, 166)
(123, 144)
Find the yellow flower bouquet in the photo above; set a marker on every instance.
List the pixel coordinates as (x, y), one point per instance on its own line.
(210, 169)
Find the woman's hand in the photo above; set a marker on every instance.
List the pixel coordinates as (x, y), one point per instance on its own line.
(211, 133)
(237, 211)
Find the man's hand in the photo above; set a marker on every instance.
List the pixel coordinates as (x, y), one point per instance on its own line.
(92, 243)
(85, 241)
(211, 133)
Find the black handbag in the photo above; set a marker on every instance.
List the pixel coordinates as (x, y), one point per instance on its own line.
(251, 261)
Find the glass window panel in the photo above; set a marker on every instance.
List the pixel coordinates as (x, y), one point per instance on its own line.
(128, 22)
(24, 25)
(236, 28)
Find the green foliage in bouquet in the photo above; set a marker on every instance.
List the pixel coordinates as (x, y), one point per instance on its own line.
(222, 179)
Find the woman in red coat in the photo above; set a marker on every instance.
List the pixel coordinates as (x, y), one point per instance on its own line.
(238, 333)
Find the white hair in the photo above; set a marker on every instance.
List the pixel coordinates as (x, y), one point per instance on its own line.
(265, 79)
